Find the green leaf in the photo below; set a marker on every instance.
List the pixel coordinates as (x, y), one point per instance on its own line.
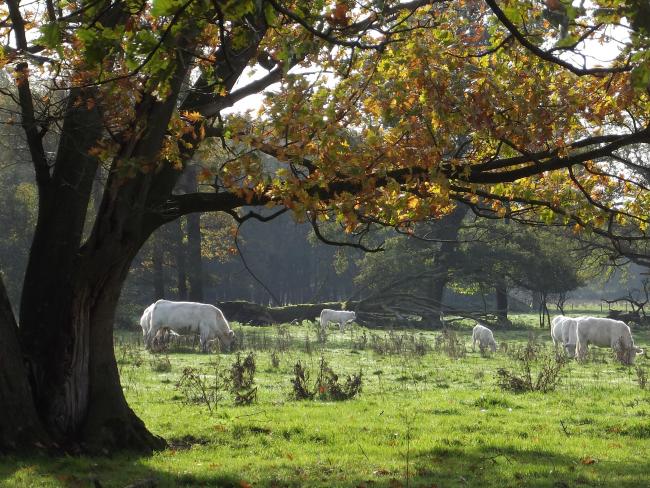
(641, 77)
(161, 8)
(51, 34)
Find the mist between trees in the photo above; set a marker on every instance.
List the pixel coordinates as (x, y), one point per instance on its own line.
(459, 264)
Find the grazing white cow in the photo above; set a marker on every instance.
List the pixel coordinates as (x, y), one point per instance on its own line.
(606, 333)
(557, 326)
(145, 323)
(484, 337)
(189, 318)
(564, 332)
(570, 334)
(340, 317)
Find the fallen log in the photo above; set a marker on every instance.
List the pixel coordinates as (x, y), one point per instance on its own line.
(256, 314)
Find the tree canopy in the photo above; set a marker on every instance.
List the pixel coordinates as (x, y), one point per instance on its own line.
(384, 111)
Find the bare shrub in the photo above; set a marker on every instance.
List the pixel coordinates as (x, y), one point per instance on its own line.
(195, 388)
(641, 377)
(283, 338)
(546, 379)
(160, 363)
(242, 379)
(198, 387)
(360, 342)
(275, 360)
(528, 352)
(321, 335)
(128, 353)
(129, 359)
(378, 345)
(327, 385)
(484, 350)
(300, 382)
(308, 347)
(419, 344)
(449, 343)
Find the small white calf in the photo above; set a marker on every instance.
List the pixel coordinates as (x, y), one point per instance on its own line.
(606, 333)
(340, 317)
(189, 318)
(484, 337)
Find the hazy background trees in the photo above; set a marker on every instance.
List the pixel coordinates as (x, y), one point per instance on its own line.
(459, 263)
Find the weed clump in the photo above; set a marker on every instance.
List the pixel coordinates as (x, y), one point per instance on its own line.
(160, 363)
(449, 343)
(546, 379)
(275, 360)
(641, 377)
(197, 389)
(242, 379)
(209, 387)
(300, 382)
(327, 385)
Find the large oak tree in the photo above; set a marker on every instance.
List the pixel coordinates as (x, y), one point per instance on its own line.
(384, 111)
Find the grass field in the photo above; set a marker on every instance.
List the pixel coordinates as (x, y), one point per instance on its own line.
(426, 417)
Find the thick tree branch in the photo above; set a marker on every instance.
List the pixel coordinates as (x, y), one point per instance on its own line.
(545, 55)
(29, 123)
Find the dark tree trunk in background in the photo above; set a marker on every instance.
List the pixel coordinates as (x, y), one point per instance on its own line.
(188, 184)
(444, 259)
(194, 261)
(501, 298)
(157, 258)
(179, 253)
(20, 426)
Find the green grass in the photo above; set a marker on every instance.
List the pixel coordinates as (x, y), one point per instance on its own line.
(421, 421)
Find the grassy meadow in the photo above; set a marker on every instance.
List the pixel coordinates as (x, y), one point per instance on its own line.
(429, 414)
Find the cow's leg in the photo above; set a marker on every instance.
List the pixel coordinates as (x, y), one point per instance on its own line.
(203, 338)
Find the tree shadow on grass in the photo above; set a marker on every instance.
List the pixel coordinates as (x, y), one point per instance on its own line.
(471, 466)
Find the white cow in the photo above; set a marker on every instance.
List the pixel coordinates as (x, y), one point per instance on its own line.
(606, 333)
(145, 323)
(564, 332)
(557, 326)
(340, 317)
(484, 337)
(188, 318)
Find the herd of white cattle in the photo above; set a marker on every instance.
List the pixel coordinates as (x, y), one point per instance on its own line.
(574, 334)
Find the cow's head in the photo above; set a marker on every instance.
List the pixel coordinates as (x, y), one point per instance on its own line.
(627, 355)
(227, 338)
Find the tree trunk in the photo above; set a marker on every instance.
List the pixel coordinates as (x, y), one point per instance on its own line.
(109, 423)
(501, 298)
(20, 426)
(444, 260)
(194, 262)
(53, 347)
(157, 258)
(179, 253)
